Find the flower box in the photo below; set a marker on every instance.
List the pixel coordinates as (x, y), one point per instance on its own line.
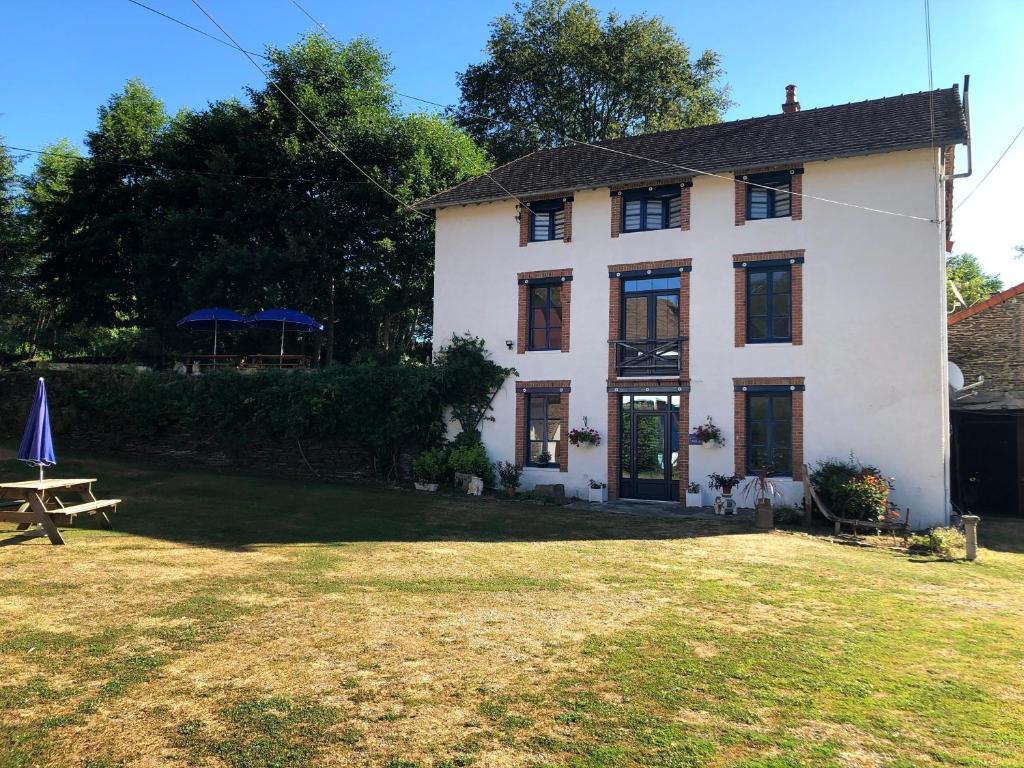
(431, 487)
(599, 495)
(694, 499)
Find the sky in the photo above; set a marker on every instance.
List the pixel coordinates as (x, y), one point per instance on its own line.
(61, 59)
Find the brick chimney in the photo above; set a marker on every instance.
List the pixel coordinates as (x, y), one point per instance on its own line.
(791, 105)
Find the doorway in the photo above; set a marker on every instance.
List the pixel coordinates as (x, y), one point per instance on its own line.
(649, 447)
(987, 473)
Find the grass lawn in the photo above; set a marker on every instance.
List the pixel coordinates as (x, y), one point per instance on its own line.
(234, 620)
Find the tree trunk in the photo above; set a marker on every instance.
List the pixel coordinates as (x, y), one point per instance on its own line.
(329, 356)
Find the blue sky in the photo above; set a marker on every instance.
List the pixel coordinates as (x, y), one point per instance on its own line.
(62, 58)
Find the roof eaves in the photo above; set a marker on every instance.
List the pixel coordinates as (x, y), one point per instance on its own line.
(990, 302)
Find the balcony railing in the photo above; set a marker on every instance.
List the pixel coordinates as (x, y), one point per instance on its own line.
(651, 357)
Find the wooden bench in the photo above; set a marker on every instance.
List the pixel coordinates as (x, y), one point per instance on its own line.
(812, 499)
(66, 515)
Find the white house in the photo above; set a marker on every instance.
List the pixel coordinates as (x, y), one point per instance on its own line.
(781, 275)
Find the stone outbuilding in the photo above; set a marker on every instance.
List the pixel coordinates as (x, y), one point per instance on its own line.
(988, 420)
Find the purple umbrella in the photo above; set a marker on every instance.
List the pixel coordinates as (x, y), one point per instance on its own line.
(285, 320)
(212, 319)
(37, 444)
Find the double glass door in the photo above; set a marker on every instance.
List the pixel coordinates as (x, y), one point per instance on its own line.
(648, 461)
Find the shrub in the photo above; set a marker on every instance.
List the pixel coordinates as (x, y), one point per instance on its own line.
(472, 460)
(786, 515)
(511, 475)
(431, 466)
(853, 490)
(946, 543)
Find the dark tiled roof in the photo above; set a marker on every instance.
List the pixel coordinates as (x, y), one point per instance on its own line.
(845, 130)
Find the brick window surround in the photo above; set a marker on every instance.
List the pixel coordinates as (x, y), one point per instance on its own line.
(796, 385)
(685, 185)
(525, 280)
(523, 389)
(615, 272)
(526, 220)
(796, 286)
(796, 188)
(614, 436)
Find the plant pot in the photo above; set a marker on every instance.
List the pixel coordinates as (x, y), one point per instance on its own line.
(694, 499)
(763, 515)
(599, 495)
(725, 505)
(431, 487)
(510, 492)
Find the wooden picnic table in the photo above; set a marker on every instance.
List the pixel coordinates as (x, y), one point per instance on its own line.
(39, 502)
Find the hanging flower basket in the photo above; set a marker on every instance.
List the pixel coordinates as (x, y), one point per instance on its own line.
(707, 433)
(586, 435)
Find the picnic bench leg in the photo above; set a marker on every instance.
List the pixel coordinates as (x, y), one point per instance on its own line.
(25, 507)
(44, 518)
(87, 495)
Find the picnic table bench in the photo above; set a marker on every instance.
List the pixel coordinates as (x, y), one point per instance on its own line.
(39, 502)
(813, 499)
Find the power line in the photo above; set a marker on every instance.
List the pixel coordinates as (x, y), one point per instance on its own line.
(306, 117)
(185, 24)
(122, 164)
(994, 166)
(327, 32)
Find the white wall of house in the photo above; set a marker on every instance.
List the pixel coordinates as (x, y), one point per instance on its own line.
(873, 355)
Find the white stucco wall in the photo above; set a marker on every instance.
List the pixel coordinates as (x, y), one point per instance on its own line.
(874, 326)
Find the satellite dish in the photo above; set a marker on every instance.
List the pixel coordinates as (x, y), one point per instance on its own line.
(956, 377)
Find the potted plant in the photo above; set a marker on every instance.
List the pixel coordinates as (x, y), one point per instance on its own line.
(708, 433)
(724, 504)
(693, 497)
(598, 491)
(586, 435)
(543, 459)
(510, 475)
(429, 469)
(761, 489)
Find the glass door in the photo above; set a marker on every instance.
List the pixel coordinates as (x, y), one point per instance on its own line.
(649, 447)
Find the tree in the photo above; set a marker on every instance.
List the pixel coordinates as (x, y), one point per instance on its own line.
(554, 69)
(973, 283)
(17, 259)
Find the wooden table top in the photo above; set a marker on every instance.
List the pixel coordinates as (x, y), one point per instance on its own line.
(47, 485)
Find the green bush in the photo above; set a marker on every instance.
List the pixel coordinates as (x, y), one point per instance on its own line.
(472, 460)
(946, 543)
(786, 515)
(853, 490)
(431, 466)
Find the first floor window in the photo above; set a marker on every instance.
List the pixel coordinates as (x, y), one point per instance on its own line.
(768, 195)
(769, 304)
(548, 220)
(543, 429)
(545, 316)
(770, 432)
(655, 208)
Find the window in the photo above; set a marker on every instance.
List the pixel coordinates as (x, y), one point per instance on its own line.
(770, 432)
(650, 326)
(543, 429)
(654, 208)
(769, 304)
(548, 220)
(545, 313)
(773, 202)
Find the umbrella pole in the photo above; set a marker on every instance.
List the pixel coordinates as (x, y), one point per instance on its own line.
(214, 343)
(281, 362)
(40, 473)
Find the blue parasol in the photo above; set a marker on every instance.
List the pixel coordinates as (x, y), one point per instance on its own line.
(284, 320)
(37, 444)
(213, 319)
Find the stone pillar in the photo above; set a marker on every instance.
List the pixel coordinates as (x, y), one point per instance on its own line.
(971, 535)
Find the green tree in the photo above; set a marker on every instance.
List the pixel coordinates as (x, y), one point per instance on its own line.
(555, 69)
(973, 283)
(17, 259)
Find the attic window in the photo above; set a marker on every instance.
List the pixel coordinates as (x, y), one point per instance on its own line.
(651, 208)
(768, 195)
(548, 220)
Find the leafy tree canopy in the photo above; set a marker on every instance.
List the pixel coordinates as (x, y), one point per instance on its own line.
(555, 69)
(973, 283)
